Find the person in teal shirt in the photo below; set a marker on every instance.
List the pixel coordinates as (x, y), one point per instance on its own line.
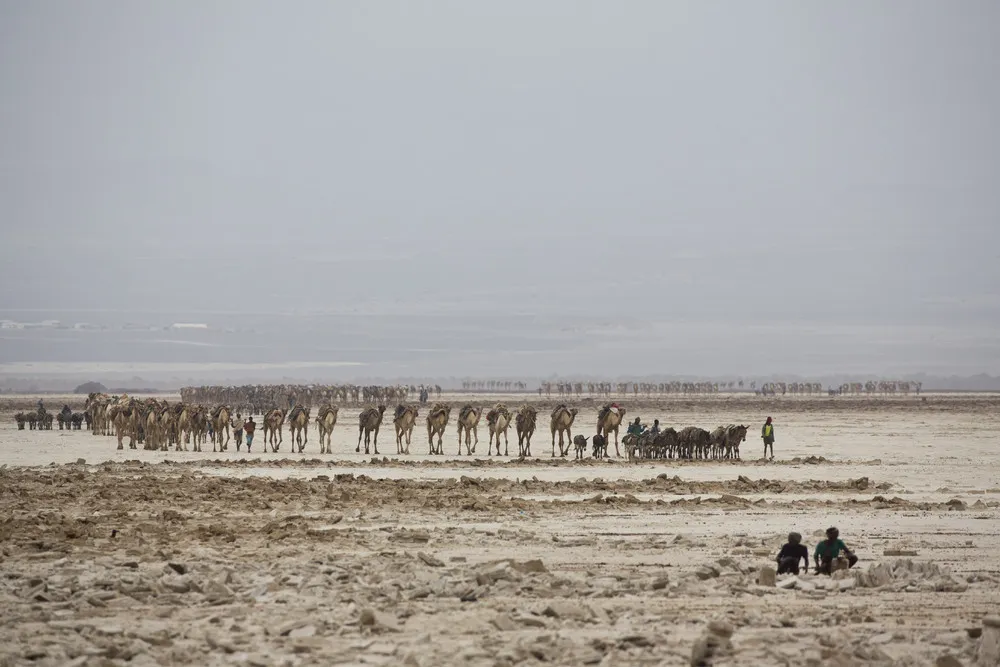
(635, 428)
(829, 550)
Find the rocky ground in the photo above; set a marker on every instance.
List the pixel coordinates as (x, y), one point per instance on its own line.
(139, 563)
(133, 557)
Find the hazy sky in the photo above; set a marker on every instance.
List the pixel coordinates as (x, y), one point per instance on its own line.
(669, 186)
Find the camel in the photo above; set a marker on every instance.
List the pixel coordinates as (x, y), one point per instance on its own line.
(468, 422)
(609, 419)
(96, 406)
(272, 426)
(524, 423)
(126, 421)
(169, 430)
(437, 420)
(21, 419)
(298, 427)
(499, 419)
(220, 423)
(406, 417)
(562, 422)
(76, 421)
(198, 423)
(152, 429)
(580, 443)
(182, 415)
(325, 421)
(369, 422)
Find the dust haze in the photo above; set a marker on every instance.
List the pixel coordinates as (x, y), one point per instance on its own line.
(517, 188)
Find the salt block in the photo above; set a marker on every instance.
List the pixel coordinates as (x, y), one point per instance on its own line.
(767, 576)
(988, 653)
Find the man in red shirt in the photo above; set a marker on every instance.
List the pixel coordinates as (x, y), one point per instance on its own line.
(248, 428)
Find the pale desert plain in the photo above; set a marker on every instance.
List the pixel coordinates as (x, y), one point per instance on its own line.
(171, 558)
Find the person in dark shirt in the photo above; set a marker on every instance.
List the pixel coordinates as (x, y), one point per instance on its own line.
(791, 554)
(829, 550)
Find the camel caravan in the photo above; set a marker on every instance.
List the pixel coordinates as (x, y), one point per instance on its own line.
(160, 425)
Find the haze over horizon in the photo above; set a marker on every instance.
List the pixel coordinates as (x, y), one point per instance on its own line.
(506, 189)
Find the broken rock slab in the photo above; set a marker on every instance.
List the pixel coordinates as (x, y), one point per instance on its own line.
(504, 623)
(533, 566)
(432, 561)
(378, 621)
(567, 609)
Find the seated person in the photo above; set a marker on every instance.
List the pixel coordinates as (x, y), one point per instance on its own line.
(636, 428)
(791, 554)
(829, 550)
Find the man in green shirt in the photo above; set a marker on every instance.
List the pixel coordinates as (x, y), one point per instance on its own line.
(829, 550)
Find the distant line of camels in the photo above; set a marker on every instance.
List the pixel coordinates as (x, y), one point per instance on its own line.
(258, 398)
